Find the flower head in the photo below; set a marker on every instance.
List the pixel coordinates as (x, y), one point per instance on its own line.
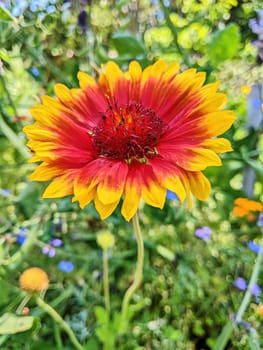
(66, 266)
(240, 283)
(244, 207)
(204, 233)
(171, 195)
(105, 240)
(260, 220)
(245, 89)
(130, 135)
(253, 246)
(34, 279)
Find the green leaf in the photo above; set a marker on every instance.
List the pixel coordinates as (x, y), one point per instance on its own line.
(5, 292)
(127, 44)
(224, 45)
(165, 252)
(5, 15)
(12, 324)
(101, 315)
(255, 165)
(224, 337)
(4, 56)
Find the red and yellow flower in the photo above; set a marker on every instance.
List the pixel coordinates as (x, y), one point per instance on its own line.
(129, 135)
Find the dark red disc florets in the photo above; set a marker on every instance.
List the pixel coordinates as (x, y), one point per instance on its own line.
(127, 133)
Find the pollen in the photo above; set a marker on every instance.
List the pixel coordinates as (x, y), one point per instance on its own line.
(34, 279)
(127, 133)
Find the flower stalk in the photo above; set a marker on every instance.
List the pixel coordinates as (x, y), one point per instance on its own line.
(56, 317)
(106, 286)
(139, 267)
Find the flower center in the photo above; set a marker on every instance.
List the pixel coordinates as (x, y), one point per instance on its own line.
(128, 133)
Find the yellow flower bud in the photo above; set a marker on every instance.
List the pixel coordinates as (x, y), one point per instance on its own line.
(105, 240)
(34, 279)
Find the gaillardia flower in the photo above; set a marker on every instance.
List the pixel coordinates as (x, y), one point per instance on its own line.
(128, 136)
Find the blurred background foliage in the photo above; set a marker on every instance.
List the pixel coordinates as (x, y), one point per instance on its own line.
(188, 293)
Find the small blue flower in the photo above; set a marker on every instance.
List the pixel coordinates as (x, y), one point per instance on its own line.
(203, 233)
(34, 71)
(51, 9)
(5, 192)
(66, 266)
(22, 230)
(171, 195)
(253, 246)
(21, 239)
(240, 283)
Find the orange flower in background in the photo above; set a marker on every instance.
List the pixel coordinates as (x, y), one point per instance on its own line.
(131, 135)
(245, 207)
(34, 279)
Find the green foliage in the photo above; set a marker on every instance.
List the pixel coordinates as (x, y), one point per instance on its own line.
(224, 44)
(12, 324)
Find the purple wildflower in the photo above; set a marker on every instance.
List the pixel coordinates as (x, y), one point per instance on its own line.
(82, 21)
(56, 242)
(203, 233)
(240, 283)
(260, 220)
(255, 290)
(49, 251)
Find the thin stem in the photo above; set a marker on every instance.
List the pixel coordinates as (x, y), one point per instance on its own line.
(57, 336)
(11, 102)
(253, 280)
(23, 304)
(56, 317)
(139, 267)
(170, 24)
(106, 285)
(227, 331)
(14, 139)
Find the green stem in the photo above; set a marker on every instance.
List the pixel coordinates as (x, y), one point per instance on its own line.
(106, 280)
(8, 94)
(56, 317)
(139, 268)
(57, 336)
(227, 330)
(14, 139)
(170, 24)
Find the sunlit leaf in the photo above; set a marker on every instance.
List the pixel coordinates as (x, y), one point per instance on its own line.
(224, 45)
